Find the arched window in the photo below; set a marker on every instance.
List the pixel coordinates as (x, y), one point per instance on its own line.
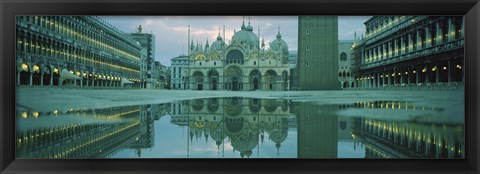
(235, 56)
(343, 56)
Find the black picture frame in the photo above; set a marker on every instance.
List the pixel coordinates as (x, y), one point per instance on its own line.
(10, 8)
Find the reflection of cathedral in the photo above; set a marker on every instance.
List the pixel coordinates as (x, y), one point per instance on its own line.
(242, 122)
(243, 64)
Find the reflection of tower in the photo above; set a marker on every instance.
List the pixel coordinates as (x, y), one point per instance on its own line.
(317, 131)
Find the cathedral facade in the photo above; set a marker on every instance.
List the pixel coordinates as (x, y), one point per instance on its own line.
(242, 65)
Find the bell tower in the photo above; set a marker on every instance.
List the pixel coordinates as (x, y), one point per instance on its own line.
(317, 63)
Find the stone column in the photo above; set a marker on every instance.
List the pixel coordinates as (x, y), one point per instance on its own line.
(410, 42)
(41, 78)
(30, 78)
(401, 45)
(93, 79)
(401, 77)
(416, 77)
(384, 56)
(51, 78)
(395, 47)
(426, 74)
(450, 30)
(438, 40)
(389, 54)
(408, 76)
(18, 77)
(449, 76)
(428, 39)
(418, 41)
(383, 78)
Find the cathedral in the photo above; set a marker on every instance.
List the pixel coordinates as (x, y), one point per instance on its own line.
(241, 65)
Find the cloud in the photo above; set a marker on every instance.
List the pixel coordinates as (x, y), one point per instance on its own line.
(171, 32)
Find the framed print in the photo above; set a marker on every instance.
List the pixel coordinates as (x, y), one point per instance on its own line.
(262, 87)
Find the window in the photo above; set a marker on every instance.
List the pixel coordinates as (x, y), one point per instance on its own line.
(214, 63)
(308, 48)
(200, 63)
(254, 62)
(343, 56)
(308, 65)
(307, 31)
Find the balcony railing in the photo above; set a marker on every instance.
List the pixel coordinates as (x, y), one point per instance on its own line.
(456, 44)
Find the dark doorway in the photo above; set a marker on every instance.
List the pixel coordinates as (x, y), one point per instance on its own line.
(214, 84)
(200, 87)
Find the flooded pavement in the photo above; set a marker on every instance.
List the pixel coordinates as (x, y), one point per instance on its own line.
(236, 127)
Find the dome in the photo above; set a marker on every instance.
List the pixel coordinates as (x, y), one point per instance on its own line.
(246, 36)
(217, 135)
(249, 27)
(278, 135)
(279, 44)
(245, 144)
(218, 45)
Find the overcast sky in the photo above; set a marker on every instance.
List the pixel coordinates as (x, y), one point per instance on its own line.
(171, 32)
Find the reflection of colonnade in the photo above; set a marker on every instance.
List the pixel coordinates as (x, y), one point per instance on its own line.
(77, 51)
(243, 122)
(411, 52)
(410, 139)
(98, 133)
(392, 138)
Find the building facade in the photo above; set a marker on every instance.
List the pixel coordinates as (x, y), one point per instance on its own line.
(242, 65)
(178, 72)
(147, 51)
(344, 63)
(159, 73)
(74, 51)
(411, 52)
(317, 52)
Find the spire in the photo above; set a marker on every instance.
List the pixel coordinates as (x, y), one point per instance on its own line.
(192, 47)
(207, 46)
(139, 29)
(243, 23)
(278, 34)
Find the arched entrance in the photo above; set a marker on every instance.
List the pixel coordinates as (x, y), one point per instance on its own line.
(234, 77)
(270, 80)
(36, 75)
(198, 80)
(213, 79)
(47, 75)
(24, 74)
(255, 80)
(56, 76)
(235, 84)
